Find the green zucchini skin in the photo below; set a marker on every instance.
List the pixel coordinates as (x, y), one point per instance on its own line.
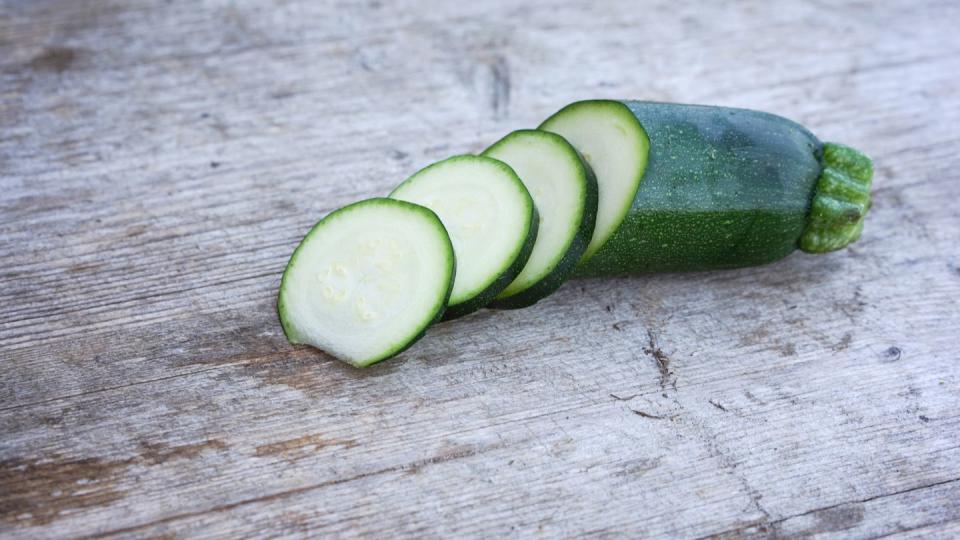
(723, 188)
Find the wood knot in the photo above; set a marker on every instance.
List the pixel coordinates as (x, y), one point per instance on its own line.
(54, 59)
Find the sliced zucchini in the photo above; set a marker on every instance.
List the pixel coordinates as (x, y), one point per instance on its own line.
(615, 145)
(491, 220)
(367, 280)
(564, 191)
(723, 188)
(726, 188)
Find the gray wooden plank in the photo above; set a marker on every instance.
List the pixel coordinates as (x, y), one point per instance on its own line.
(159, 162)
(94, 287)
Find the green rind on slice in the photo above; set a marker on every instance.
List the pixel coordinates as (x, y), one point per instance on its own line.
(485, 298)
(841, 200)
(367, 280)
(564, 191)
(615, 145)
(491, 219)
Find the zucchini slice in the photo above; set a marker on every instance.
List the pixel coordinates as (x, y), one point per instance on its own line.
(564, 191)
(615, 146)
(367, 280)
(490, 217)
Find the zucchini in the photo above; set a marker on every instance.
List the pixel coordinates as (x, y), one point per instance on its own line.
(490, 217)
(367, 280)
(564, 191)
(721, 187)
(676, 187)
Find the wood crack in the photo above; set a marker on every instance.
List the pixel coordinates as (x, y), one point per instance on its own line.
(12, 340)
(901, 530)
(765, 523)
(662, 361)
(412, 467)
(81, 308)
(108, 389)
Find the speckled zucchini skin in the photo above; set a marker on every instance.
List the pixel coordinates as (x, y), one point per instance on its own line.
(723, 188)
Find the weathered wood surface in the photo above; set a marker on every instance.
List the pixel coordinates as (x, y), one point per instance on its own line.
(160, 160)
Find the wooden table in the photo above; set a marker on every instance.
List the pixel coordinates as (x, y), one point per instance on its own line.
(159, 160)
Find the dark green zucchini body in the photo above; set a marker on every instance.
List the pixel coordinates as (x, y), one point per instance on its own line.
(723, 188)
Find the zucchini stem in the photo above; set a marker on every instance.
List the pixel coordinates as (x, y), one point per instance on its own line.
(841, 200)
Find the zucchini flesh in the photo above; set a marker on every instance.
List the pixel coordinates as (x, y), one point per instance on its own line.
(367, 280)
(722, 188)
(490, 217)
(615, 146)
(564, 191)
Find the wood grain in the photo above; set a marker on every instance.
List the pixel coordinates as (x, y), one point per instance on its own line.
(160, 160)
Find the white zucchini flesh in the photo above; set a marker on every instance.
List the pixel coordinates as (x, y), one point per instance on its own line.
(367, 280)
(559, 184)
(490, 217)
(616, 146)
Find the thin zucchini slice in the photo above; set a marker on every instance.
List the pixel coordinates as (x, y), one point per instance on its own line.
(490, 217)
(615, 146)
(367, 280)
(564, 191)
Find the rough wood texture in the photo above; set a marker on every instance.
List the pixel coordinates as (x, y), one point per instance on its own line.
(160, 160)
